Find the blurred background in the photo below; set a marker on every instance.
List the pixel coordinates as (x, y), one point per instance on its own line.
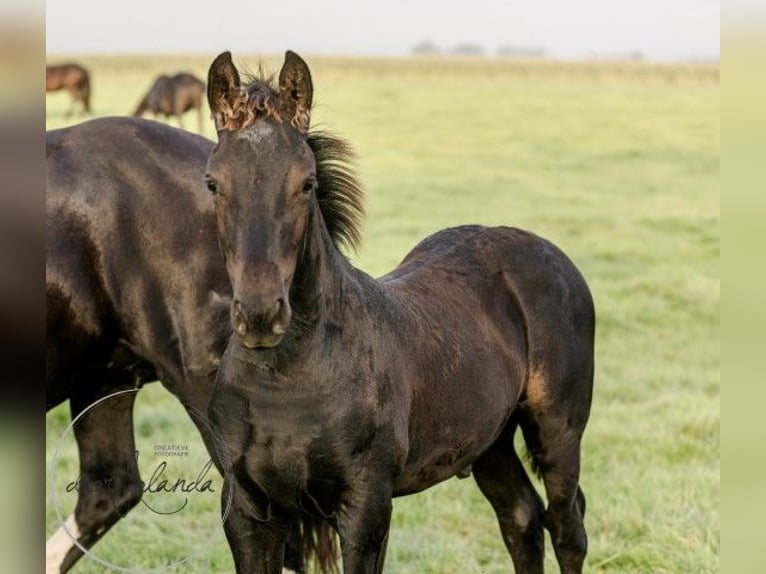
(681, 30)
(595, 124)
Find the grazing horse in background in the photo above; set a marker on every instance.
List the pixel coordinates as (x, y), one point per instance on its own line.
(340, 391)
(136, 291)
(174, 96)
(74, 79)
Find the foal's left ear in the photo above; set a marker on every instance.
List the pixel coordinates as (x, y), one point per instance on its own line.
(223, 89)
(295, 91)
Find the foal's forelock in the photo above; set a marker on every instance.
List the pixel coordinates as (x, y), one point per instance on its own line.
(258, 100)
(250, 103)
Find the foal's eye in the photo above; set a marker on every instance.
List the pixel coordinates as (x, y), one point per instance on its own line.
(309, 185)
(211, 185)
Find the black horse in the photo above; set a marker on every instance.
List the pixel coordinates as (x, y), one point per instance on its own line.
(136, 291)
(340, 391)
(174, 96)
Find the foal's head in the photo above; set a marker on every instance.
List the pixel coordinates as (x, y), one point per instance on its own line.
(265, 173)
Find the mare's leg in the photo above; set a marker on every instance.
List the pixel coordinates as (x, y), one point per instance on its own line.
(109, 482)
(257, 544)
(519, 509)
(555, 413)
(82, 96)
(180, 120)
(86, 100)
(72, 103)
(77, 102)
(363, 526)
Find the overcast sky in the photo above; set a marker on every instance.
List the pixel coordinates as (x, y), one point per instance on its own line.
(659, 29)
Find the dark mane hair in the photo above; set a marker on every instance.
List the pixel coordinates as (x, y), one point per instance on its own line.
(340, 194)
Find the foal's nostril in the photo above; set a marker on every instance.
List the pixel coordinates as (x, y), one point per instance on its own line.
(239, 321)
(279, 325)
(262, 321)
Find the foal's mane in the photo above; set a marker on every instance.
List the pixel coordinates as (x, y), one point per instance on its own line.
(339, 191)
(340, 194)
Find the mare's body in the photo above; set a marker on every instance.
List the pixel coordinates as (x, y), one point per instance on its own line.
(136, 291)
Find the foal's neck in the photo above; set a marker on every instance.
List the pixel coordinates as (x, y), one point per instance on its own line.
(319, 284)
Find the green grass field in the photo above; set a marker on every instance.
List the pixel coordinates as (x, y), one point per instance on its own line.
(618, 164)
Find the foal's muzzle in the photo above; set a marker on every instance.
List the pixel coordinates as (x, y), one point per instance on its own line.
(261, 323)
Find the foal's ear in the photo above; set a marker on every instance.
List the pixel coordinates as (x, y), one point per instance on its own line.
(295, 91)
(222, 89)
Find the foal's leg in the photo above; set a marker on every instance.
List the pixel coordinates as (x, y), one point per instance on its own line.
(363, 527)
(554, 418)
(566, 506)
(257, 544)
(519, 509)
(110, 484)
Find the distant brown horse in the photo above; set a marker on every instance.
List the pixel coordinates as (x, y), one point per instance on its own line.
(174, 96)
(74, 79)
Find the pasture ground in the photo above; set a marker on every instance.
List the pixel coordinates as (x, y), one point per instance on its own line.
(618, 164)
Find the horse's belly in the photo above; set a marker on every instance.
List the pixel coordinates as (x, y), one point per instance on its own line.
(445, 457)
(414, 480)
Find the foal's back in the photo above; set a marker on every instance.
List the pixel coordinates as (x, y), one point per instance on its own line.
(502, 278)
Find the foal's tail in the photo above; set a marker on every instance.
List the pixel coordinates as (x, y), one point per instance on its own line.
(319, 544)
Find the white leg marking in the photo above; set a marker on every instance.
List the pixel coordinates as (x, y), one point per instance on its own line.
(521, 515)
(58, 545)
